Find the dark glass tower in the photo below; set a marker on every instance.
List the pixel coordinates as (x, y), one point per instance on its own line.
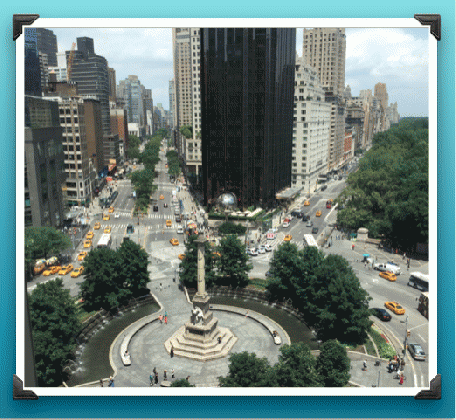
(90, 72)
(46, 42)
(32, 77)
(247, 88)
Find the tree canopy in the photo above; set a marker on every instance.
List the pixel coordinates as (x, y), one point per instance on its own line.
(182, 383)
(54, 321)
(388, 194)
(112, 278)
(333, 364)
(247, 370)
(325, 290)
(233, 264)
(186, 131)
(230, 228)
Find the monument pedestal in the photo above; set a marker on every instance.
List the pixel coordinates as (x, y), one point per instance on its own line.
(201, 338)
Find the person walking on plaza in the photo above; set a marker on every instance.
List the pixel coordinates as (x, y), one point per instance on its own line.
(172, 373)
(353, 247)
(156, 378)
(401, 379)
(160, 317)
(166, 319)
(111, 382)
(151, 379)
(164, 375)
(364, 365)
(101, 383)
(171, 353)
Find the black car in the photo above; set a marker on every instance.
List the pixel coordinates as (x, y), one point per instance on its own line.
(314, 230)
(382, 314)
(305, 217)
(178, 219)
(323, 187)
(130, 229)
(155, 208)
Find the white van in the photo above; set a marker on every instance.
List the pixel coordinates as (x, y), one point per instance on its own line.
(389, 266)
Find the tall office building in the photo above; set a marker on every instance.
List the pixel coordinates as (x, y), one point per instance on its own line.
(32, 66)
(311, 125)
(61, 69)
(46, 42)
(148, 106)
(381, 94)
(171, 103)
(133, 92)
(247, 85)
(43, 163)
(324, 50)
(90, 72)
(112, 84)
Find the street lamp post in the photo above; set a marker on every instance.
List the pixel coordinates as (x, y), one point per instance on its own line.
(407, 333)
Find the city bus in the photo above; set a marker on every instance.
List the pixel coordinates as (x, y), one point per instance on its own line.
(105, 241)
(419, 281)
(423, 304)
(309, 240)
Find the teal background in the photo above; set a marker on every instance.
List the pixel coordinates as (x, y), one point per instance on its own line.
(325, 407)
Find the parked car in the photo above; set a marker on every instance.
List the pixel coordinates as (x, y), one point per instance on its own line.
(416, 351)
(381, 313)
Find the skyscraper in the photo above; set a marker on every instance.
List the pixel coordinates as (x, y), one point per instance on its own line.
(32, 67)
(324, 50)
(381, 94)
(247, 85)
(90, 72)
(171, 103)
(46, 42)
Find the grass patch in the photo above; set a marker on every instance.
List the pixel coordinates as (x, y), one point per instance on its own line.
(258, 283)
(370, 347)
(385, 350)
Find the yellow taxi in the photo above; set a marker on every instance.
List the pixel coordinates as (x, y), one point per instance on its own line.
(318, 213)
(52, 270)
(107, 229)
(395, 307)
(174, 242)
(287, 238)
(306, 203)
(89, 235)
(162, 197)
(97, 226)
(88, 243)
(82, 255)
(216, 254)
(134, 166)
(388, 276)
(106, 217)
(111, 209)
(77, 272)
(66, 269)
(181, 256)
(169, 223)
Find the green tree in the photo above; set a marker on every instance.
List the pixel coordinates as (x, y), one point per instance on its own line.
(182, 383)
(233, 265)
(54, 321)
(389, 193)
(333, 364)
(230, 228)
(342, 304)
(247, 370)
(102, 286)
(133, 142)
(296, 367)
(186, 131)
(132, 263)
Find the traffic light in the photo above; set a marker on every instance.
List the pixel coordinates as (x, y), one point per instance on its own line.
(408, 333)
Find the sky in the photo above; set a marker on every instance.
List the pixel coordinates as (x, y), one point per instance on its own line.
(395, 56)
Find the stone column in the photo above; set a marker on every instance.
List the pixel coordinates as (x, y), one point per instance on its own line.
(200, 266)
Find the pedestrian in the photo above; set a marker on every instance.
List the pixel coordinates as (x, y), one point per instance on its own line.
(166, 314)
(160, 317)
(172, 352)
(187, 378)
(403, 257)
(364, 365)
(101, 383)
(353, 247)
(164, 375)
(166, 319)
(172, 373)
(151, 379)
(156, 378)
(401, 379)
(111, 382)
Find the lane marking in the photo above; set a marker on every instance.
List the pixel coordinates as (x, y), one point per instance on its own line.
(418, 326)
